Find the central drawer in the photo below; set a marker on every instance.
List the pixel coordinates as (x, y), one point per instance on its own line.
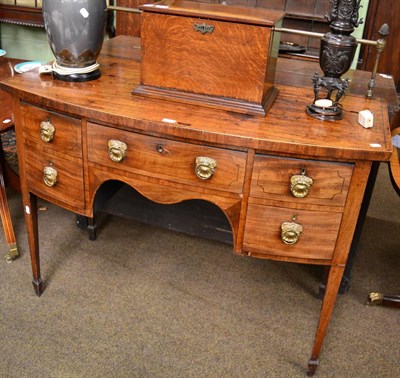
(167, 159)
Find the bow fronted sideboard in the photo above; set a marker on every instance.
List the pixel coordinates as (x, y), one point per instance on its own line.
(291, 186)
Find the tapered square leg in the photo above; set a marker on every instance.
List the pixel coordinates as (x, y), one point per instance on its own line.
(38, 287)
(31, 218)
(312, 368)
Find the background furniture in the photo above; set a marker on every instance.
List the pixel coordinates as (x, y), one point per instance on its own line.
(19, 13)
(160, 160)
(394, 170)
(7, 175)
(380, 12)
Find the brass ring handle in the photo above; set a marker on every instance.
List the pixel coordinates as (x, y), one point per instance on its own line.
(116, 150)
(47, 131)
(50, 176)
(205, 167)
(291, 231)
(300, 184)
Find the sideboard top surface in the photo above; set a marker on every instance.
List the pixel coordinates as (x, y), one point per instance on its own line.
(286, 130)
(247, 15)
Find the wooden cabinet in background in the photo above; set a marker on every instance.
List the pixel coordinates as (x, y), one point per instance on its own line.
(379, 13)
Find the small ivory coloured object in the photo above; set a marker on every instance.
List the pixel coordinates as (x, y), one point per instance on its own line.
(366, 118)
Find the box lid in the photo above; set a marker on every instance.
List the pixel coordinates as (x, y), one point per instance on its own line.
(246, 15)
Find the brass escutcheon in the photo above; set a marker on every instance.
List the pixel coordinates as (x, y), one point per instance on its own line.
(300, 184)
(205, 167)
(290, 231)
(47, 131)
(203, 28)
(116, 150)
(50, 176)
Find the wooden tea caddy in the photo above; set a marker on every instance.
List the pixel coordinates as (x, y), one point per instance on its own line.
(209, 54)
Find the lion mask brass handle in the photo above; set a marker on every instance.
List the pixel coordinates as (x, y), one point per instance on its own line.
(205, 167)
(300, 184)
(50, 176)
(290, 231)
(47, 131)
(116, 150)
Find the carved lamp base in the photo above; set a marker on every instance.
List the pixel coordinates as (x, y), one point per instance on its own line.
(328, 107)
(329, 113)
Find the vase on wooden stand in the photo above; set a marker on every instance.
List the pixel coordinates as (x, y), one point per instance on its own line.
(75, 30)
(337, 52)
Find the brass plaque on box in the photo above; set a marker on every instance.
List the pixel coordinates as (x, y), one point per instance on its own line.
(209, 54)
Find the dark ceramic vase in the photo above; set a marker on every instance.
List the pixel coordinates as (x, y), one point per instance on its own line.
(75, 30)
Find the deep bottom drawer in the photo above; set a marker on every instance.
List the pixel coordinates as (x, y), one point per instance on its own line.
(317, 239)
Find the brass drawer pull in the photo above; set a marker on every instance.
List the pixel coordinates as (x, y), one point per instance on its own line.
(47, 131)
(205, 167)
(300, 184)
(116, 150)
(290, 231)
(50, 176)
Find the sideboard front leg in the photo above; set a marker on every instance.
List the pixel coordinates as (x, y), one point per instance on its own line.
(331, 291)
(31, 217)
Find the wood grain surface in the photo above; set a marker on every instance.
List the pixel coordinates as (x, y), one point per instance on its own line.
(287, 129)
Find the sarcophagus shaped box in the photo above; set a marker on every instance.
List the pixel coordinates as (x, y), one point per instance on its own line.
(209, 54)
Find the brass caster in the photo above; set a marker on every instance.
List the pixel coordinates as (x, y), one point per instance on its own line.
(375, 299)
(12, 254)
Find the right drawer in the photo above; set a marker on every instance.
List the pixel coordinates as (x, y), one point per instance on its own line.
(302, 181)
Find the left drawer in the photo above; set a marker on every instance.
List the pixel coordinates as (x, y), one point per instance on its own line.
(53, 131)
(54, 178)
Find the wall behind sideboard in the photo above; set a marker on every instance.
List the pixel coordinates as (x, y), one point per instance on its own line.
(25, 42)
(30, 43)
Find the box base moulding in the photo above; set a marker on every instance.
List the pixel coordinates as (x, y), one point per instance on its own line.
(225, 103)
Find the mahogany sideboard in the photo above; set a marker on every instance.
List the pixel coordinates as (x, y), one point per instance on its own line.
(257, 170)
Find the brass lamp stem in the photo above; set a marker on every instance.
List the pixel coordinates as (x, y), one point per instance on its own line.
(124, 9)
(319, 35)
(380, 46)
